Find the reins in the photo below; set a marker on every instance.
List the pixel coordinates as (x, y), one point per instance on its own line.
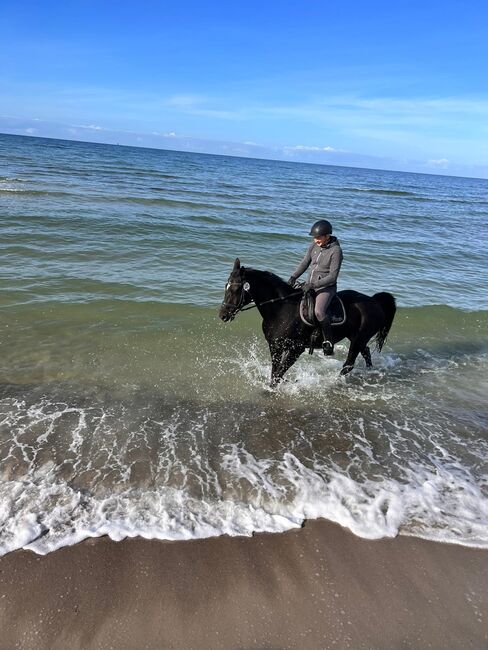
(265, 302)
(239, 308)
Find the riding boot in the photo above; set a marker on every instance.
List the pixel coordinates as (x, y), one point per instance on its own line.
(327, 345)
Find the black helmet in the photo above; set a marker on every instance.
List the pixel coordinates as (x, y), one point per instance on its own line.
(322, 227)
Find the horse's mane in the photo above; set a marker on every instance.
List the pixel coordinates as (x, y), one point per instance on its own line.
(271, 278)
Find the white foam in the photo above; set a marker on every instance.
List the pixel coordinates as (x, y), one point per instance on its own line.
(44, 514)
(430, 485)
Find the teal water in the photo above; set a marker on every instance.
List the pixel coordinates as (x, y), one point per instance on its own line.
(127, 407)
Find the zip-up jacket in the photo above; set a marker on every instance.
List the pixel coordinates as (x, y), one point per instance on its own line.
(325, 264)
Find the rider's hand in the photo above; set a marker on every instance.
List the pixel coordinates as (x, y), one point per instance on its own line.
(292, 280)
(307, 287)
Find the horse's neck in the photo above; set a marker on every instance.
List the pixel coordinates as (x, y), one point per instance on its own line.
(263, 288)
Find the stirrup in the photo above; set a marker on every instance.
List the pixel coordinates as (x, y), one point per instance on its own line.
(328, 348)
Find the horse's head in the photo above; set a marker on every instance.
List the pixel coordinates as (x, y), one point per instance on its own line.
(236, 293)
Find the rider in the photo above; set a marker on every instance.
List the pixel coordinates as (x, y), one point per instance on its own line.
(324, 257)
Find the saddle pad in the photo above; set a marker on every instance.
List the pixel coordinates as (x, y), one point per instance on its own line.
(336, 311)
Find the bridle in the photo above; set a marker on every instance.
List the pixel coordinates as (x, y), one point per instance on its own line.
(245, 287)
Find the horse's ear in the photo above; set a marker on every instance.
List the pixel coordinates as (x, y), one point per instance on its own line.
(237, 264)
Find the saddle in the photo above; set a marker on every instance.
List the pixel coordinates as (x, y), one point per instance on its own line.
(335, 311)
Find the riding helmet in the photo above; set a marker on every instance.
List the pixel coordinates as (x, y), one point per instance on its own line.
(322, 227)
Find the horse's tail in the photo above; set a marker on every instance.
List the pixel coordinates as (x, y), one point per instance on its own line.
(388, 305)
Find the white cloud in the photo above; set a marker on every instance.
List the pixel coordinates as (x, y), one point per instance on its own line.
(92, 127)
(30, 130)
(440, 162)
(302, 147)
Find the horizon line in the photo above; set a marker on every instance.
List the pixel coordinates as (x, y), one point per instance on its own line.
(230, 155)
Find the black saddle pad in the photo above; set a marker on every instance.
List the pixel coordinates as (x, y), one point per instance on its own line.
(335, 311)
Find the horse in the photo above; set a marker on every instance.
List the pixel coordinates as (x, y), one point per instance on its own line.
(286, 333)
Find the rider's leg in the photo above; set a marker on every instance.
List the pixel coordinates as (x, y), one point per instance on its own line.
(322, 301)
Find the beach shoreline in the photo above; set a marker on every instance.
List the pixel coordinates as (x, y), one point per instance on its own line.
(314, 587)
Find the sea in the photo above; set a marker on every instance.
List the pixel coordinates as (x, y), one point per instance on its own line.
(127, 408)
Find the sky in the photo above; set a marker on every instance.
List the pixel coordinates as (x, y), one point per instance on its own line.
(389, 85)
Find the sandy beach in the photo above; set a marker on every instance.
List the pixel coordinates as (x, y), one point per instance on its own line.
(316, 587)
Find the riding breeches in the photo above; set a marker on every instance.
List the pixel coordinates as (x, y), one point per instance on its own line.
(322, 301)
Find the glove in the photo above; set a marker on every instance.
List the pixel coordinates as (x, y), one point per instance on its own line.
(292, 281)
(307, 287)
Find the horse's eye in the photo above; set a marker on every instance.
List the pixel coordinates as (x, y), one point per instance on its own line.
(227, 286)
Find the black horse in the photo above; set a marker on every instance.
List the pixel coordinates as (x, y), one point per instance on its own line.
(287, 335)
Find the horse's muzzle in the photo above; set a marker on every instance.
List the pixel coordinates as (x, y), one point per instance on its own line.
(226, 314)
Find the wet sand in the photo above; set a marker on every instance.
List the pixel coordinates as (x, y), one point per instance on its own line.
(317, 587)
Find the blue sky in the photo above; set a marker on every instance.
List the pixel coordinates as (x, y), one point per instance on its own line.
(398, 85)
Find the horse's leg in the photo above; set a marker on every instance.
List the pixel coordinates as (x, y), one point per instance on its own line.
(276, 351)
(290, 355)
(366, 353)
(283, 356)
(354, 349)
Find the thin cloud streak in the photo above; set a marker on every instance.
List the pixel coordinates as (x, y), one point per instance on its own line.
(335, 111)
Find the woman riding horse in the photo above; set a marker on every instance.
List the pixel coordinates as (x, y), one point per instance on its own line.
(286, 332)
(324, 256)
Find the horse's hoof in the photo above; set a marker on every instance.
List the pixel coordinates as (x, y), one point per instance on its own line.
(346, 370)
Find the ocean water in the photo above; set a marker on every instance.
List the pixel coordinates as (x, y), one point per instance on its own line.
(128, 408)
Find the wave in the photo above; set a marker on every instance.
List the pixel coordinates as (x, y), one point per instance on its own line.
(372, 190)
(441, 330)
(369, 511)
(39, 193)
(444, 313)
(466, 201)
(90, 471)
(118, 199)
(413, 196)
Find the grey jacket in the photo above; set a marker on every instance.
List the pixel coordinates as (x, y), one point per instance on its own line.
(325, 263)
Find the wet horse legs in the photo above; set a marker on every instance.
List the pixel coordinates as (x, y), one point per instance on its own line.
(283, 356)
(357, 346)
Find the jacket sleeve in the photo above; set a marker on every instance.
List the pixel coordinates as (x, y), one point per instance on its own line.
(304, 264)
(335, 266)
